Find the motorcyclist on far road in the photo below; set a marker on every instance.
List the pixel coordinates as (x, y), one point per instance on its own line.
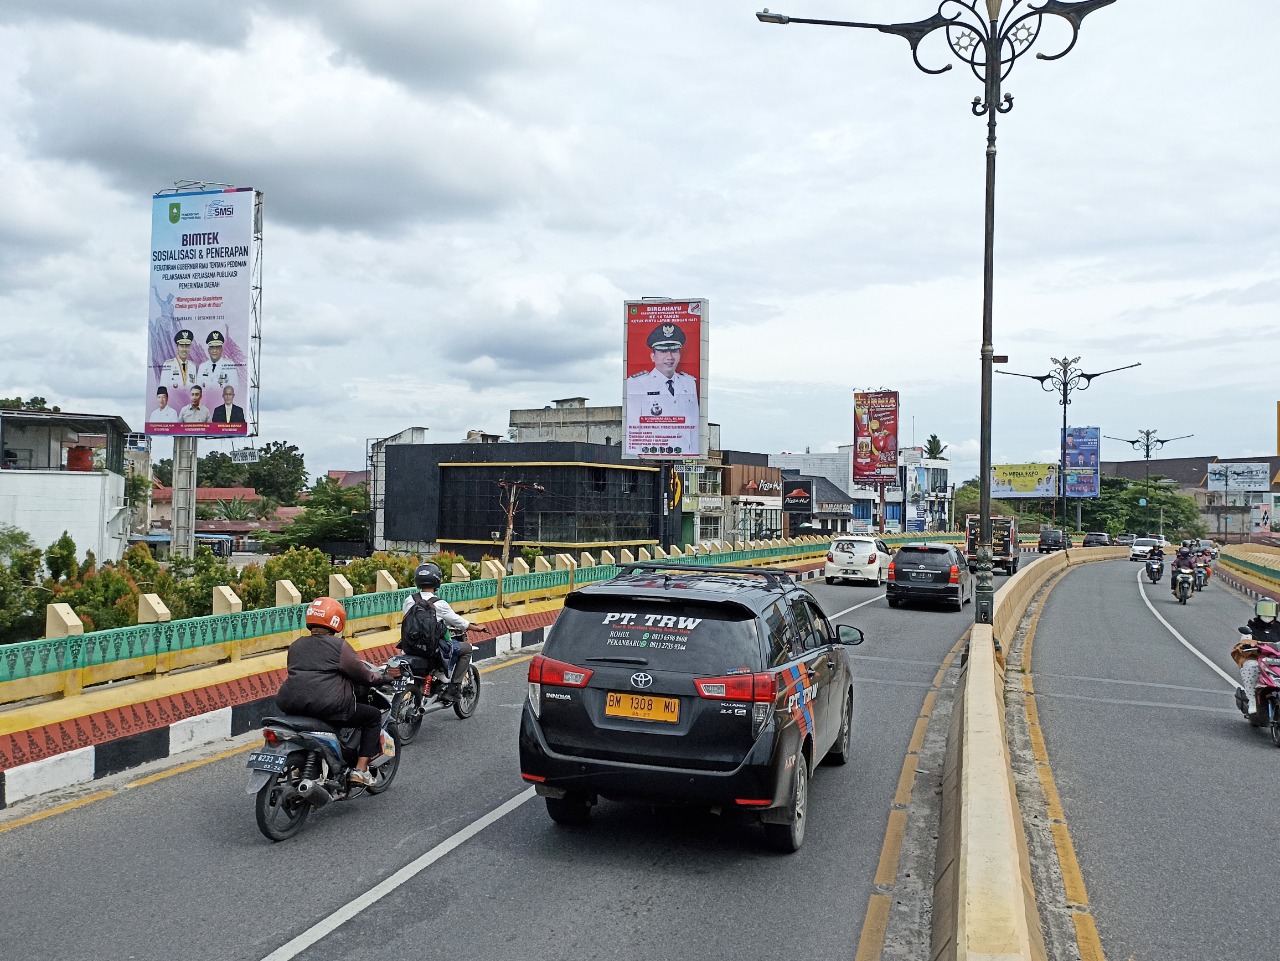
(1183, 559)
(428, 578)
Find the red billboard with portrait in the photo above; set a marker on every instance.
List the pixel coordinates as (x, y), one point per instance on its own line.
(665, 366)
(875, 436)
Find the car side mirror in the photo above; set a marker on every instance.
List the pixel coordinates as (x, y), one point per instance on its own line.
(1244, 630)
(849, 635)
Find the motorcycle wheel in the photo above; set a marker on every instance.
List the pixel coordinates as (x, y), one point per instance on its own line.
(279, 817)
(406, 716)
(466, 705)
(386, 773)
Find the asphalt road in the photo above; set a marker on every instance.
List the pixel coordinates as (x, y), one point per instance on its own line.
(1166, 788)
(177, 868)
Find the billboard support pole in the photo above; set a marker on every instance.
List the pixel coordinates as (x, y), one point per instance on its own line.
(184, 497)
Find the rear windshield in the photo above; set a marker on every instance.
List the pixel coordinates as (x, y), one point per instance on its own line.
(1050, 535)
(854, 546)
(934, 557)
(1145, 542)
(670, 636)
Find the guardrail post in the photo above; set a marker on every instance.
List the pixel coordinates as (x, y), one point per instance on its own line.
(586, 560)
(286, 594)
(626, 557)
(340, 587)
(152, 610)
(541, 565)
(607, 558)
(642, 554)
(492, 569)
(675, 551)
(659, 554)
(519, 566)
(385, 582)
(61, 621)
(460, 574)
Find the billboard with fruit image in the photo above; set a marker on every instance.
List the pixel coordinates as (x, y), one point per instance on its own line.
(875, 436)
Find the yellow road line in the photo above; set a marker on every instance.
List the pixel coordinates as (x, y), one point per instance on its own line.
(917, 735)
(41, 815)
(171, 772)
(871, 943)
(906, 780)
(887, 870)
(1072, 879)
(1087, 939)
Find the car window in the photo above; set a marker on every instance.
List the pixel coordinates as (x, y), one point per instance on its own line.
(805, 634)
(1145, 542)
(935, 558)
(691, 637)
(882, 546)
(822, 633)
(778, 622)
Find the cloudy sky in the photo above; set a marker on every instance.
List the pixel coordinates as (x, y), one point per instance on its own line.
(460, 196)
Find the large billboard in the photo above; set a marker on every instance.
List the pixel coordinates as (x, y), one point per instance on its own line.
(665, 366)
(1010, 481)
(200, 312)
(875, 436)
(1080, 446)
(1225, 478)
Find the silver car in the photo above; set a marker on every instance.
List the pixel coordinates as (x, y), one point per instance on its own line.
(1142, 548)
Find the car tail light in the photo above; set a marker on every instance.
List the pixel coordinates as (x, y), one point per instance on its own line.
(871, 558)
(760, 688)
(955, 574)
(546, 670)
(891, 575)
(831, 557)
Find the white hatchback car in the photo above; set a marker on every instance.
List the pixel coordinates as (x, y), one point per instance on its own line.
(1141, 547)
(858, 557)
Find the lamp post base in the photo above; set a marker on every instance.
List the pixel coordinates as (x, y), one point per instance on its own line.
(984, 597)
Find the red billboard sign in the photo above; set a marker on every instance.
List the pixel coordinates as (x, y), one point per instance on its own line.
(665, 361)
(875, 436)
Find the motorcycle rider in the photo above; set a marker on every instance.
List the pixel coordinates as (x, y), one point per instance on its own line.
(1262, 627)
(1183, 559)
(323, 672)
(428, 578)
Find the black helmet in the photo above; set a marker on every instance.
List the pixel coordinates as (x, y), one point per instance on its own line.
(427, 577)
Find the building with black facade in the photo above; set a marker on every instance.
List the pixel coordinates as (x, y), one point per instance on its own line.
(448, 497)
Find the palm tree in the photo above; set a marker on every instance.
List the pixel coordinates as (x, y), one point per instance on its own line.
(236, 510)
(934, 448)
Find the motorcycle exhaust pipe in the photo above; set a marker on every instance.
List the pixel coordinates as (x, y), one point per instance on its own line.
(314, 793)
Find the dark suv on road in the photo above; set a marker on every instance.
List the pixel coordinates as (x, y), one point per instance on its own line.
(1051, 541)
(1096, 539)
(930, 572)
(717, 686)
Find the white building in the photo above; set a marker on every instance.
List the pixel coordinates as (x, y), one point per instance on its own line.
(65, 472)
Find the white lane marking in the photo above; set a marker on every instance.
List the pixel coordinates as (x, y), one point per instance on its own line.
(1170, 628)
(855, 607)
(349, 910)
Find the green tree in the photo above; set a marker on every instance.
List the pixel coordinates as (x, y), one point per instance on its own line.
(13, 540)
(188, 588)
(163, 470)
(236, 509)
(20, 600)
(60, 558)
(35, 403)
(934, 448)
(280, 472)
(136, 489)
(332, 513)
(216, 469)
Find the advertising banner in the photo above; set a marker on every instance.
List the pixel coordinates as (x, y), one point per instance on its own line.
(1081, 446)
(1260, 518)
(1225, 478)
(1009, 481)
(917, 498)
(875, 436)
(200, 312)
(665, 366)
(797, 497)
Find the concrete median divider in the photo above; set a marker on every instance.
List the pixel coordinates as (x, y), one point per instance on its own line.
(984, 904)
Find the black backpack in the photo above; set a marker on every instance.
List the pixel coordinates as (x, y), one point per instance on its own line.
(421, 631)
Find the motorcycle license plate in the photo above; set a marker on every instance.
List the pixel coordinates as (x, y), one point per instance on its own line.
(400, 684)
(262, 761)
(643, 708)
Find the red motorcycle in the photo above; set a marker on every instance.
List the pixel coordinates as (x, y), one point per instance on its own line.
(1267, 697)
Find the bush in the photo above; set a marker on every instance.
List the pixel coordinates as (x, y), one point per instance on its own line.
(363, 571)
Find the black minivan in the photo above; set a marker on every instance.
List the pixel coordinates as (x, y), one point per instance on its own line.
(717, 686)
(938, 573)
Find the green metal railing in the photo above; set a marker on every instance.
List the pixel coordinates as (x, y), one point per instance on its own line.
(53, 655)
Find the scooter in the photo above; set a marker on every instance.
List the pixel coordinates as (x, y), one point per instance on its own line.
(304, 764)
(419, 691)
(1183, 583)
(1155, 569)
(1267, 695)
(1201, 575)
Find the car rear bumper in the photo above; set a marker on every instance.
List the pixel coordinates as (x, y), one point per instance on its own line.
(939, 593)
(758, 778)
(866, 572)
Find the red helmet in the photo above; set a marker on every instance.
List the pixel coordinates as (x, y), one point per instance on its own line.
(327, 613)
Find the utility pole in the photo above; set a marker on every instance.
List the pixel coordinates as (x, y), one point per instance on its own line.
(1147, 441)
(511, 494)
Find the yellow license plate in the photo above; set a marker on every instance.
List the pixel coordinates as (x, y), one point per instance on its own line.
(643, 707)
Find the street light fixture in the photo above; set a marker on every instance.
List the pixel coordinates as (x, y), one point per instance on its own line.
(1065, 378)
(1147, 441)
(988, 44)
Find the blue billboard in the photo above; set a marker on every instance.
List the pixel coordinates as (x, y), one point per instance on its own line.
(1080, 450)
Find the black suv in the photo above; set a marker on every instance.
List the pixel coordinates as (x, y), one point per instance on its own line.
(717, 686)
(1051, 541)
(930, 572)
(1097, 539)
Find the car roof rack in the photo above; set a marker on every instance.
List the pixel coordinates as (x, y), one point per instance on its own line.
(774, 577)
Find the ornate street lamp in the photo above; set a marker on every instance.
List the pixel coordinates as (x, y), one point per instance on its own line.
(1147, 441)
(1062, 380)
(989, 43)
